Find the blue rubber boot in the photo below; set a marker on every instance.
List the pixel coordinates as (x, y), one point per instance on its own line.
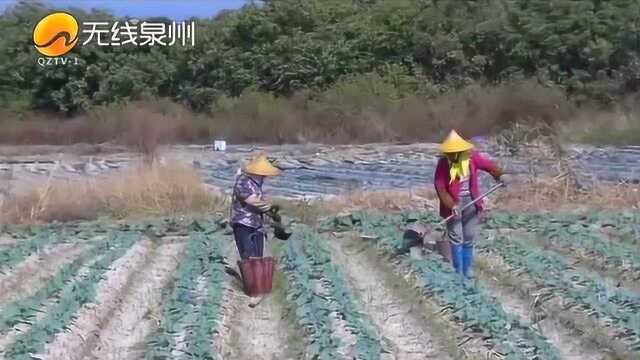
(456, 258)
(467, 260)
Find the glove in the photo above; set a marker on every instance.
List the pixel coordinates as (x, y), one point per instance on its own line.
(456, 211)
(505, 180)
(273, 213)
(275, 216)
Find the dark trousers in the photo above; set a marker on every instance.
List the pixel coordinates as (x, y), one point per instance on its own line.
(249, 241)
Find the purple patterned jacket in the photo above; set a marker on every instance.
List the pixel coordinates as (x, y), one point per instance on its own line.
(241, 212)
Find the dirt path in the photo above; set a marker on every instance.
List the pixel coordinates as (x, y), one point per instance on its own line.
(85, 332)
(137, 313)
(494, 276)
(36, 270)
(260, 333)
(396, 318)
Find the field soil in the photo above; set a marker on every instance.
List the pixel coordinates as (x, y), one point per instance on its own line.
(567, 342)
(138, 312)
(398, 320)
(35, 271)
(574, 334)
(122, 315)
(261, 332)
(10, 336)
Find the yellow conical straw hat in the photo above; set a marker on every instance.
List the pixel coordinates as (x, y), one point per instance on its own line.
(261, 166)
(455, 143)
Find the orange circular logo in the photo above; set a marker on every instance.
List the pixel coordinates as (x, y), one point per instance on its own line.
(56, 34)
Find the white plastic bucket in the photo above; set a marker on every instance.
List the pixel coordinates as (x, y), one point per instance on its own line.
(219, 145)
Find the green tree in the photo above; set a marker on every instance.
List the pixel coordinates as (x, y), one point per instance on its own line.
(589, 47)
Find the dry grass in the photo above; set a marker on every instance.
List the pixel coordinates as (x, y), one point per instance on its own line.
(162, 190)
(602, 128)
(310, 211)
(554, 195)
(384, 200)
(79, 149)
(360, 109)
(146, 191)
(140, 125)
(536, 196)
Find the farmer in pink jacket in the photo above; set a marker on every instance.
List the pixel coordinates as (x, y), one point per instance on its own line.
(456, 182)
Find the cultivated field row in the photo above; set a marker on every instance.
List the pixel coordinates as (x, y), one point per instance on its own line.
(552, 287)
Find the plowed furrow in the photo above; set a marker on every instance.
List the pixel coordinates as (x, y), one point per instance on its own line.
(584, 260)
(8, 241)
(570, 335)
(138, 311)
(9, 337)
(32, 273)
(398, 320)
(82, 335)
(258, 333)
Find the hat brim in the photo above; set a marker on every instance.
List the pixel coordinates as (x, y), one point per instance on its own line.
(456, 149)
(261, 167)
(262, 173)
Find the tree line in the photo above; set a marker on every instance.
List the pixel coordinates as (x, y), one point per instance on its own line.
(588, 48)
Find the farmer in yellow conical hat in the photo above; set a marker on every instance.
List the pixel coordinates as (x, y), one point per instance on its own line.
(248, 206)
(456, 182)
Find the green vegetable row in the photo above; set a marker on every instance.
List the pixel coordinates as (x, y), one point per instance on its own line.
(614, 219)
(312, 309)
(471, 305)
(367, 345)
(569, 231)
(13, 255)
(468, 302)
(72, 297)
(382, 225)
(585, 292)
(36, 237)
(306, 269)
(208, 315)
(24, 310)
(182, 311)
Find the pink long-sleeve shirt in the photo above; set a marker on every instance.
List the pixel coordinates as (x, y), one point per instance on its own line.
(442, 179)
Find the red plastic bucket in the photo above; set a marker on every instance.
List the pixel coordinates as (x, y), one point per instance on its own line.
(257, 275)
